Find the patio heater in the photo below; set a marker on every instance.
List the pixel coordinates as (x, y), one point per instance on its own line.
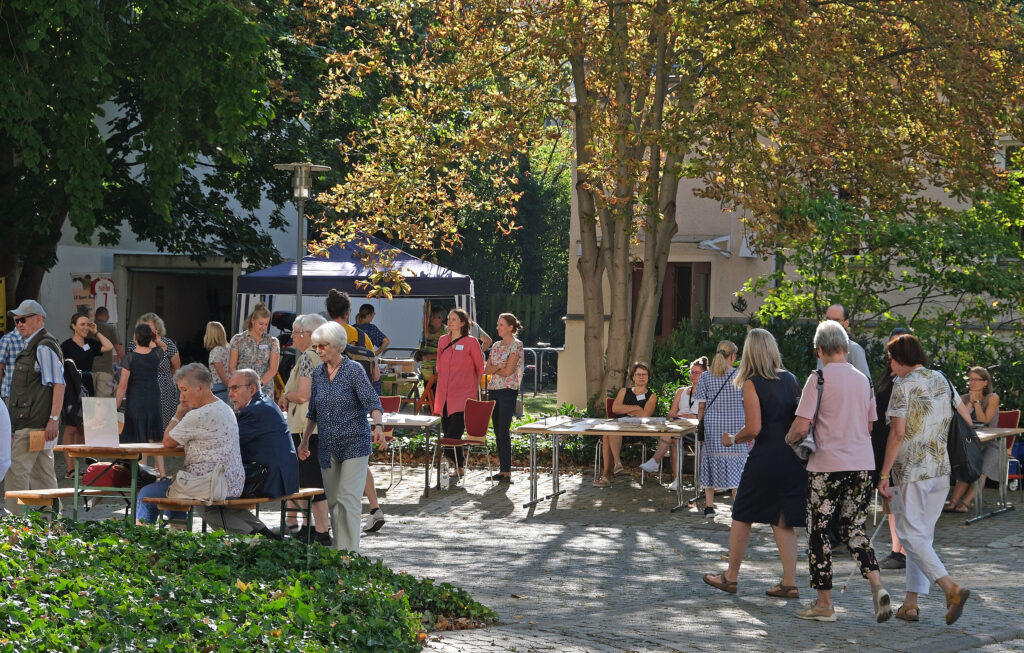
(301, 183)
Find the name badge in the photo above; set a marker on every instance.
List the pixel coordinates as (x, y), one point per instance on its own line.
(85, 347)
(641, 397)
(458, 347)
(264, 346)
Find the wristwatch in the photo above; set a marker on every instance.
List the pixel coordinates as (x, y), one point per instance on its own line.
(55, 418)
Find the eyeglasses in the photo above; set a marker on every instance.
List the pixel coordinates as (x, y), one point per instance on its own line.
(232, 388)
(975, 379)
(298, 333)
(320, 345)
(23, 318)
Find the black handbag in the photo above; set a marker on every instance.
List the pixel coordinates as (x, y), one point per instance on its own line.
(255, 478)
(963, 446)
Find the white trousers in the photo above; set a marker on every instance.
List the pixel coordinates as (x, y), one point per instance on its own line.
(917, 507)
(344, 483)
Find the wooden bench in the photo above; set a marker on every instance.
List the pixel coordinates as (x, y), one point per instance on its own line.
(48, 500)
(188, 506)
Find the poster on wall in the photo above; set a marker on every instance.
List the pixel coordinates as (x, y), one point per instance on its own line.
(90, 291)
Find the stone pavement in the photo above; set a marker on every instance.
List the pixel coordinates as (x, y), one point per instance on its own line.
(613, 570)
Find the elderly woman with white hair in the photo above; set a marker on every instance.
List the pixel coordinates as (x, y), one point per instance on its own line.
(295, 403)
(206, 427)
(340, 398)
(839, 475)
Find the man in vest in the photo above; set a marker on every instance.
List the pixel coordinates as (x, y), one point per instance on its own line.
(37, 395)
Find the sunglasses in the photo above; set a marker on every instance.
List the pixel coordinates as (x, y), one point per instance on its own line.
(320, 345)
(24, 318)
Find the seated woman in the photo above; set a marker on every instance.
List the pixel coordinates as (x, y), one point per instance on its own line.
(206, 427)
(684, 404)
(984, 407)
(632, 401)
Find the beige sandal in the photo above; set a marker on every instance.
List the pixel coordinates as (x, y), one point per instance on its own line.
(604, 481)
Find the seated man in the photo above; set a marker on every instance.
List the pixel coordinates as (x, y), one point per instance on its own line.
(263, 434)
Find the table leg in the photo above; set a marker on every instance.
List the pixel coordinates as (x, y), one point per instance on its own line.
(696, 475)
(680, 448)
(134, 494)
(533, 472)
(78, 489)
(979, 487)
(429, 464)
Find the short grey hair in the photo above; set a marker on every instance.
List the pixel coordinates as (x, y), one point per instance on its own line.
(250, 376)
(830, 337)
(194, 375)
(309, 322)
(332, 334)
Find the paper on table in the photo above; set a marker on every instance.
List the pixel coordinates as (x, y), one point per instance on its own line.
(100, 418)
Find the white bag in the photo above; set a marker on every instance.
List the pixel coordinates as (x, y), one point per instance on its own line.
(205, 487)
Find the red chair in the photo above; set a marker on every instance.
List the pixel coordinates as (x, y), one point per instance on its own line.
(426, 400)
(393, 405)
(478, 420)
(609, 402)
(1010, 419)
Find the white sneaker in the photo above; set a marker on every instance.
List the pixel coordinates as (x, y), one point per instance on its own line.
(674, 485)
(373, 521)
(651, 466)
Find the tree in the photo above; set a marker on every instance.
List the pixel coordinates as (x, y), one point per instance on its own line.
(761, 100)
(106, 108)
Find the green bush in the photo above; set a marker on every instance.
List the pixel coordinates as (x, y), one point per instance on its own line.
(104, 586)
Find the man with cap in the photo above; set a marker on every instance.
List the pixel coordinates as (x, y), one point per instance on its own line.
(37, 396)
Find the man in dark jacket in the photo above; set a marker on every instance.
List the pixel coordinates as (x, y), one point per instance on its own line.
(263, 434)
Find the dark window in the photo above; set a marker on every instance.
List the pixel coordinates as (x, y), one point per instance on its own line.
(686, 292)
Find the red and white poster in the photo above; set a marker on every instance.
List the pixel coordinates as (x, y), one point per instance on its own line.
(90, 291)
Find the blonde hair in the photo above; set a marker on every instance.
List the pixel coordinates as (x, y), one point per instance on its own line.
(258, 311)
(155, 320)
(215, 336)
(720, 364)
(761, 357)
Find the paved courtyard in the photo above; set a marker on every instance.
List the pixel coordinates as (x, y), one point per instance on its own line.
(613, 570)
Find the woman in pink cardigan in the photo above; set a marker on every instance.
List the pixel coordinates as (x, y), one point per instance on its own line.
(460, 362)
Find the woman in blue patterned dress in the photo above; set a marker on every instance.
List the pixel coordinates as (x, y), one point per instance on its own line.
(364, 322)
(773, 489)
(340, 398)
(721, 408)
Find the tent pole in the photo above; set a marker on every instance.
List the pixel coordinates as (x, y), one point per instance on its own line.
(301, 253)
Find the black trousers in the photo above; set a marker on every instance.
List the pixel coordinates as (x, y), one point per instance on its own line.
(454, 426)
(501, 420)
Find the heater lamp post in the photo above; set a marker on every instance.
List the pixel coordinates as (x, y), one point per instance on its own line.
(301, 183)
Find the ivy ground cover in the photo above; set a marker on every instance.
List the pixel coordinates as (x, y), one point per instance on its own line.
(99, 586)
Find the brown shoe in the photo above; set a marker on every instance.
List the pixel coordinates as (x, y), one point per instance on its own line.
(908, 613)
(719, 581)
(955, 604)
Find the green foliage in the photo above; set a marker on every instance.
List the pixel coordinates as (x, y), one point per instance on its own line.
(953, 277)
(104, 586)
(106, 104)
(693, 339)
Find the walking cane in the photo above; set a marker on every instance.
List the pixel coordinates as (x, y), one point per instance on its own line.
(870, 542)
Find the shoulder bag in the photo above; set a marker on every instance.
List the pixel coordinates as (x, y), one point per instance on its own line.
(962, 445)
(255, 478)
(806, 447)
(700, 424)
(200, 487)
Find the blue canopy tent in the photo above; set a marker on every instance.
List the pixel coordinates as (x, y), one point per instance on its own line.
(341, 268)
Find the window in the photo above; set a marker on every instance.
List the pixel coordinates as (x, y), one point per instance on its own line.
(686, 292)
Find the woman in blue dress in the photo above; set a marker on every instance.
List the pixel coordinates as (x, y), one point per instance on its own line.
(773, 489)
(721, 408)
